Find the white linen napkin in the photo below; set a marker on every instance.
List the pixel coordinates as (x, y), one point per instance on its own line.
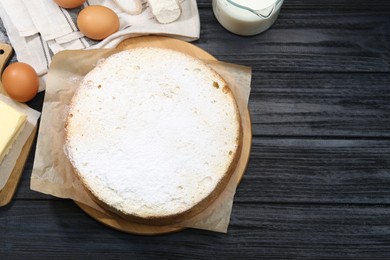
(38, 29)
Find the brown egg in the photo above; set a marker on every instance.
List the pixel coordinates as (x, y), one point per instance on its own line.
(70, 3)
(97, 22)
(20, 81)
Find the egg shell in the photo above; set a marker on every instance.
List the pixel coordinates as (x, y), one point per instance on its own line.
(20, 81)
(97, 22)
(69, 3)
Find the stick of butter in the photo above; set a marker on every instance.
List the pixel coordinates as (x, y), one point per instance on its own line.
(11, 124)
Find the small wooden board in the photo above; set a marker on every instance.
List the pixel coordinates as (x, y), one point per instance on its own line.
(9, 189)
(7, 192)
(114, 221)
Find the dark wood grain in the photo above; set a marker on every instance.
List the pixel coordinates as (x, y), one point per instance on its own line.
(317, 184)
(257, 231)
(321, 104)
(314, 36)
(317, 171)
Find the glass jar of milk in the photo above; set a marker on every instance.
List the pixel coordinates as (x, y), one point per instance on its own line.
(246, 17)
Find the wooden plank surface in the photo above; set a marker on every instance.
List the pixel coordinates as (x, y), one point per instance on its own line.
(318, 180)
(60, 229)
(321, 104)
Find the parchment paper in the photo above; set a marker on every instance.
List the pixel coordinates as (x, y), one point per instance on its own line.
(9, 162)
(52, 173)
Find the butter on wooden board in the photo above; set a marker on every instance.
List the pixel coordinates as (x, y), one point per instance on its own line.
(11, 124)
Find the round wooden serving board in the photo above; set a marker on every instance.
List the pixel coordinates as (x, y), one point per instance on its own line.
(114, 221)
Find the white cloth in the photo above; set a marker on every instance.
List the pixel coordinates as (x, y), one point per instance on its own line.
(39, 29)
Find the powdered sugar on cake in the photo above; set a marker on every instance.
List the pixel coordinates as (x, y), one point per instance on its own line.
(151, 132)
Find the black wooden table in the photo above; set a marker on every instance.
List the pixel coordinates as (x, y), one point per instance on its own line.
(318, 180)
